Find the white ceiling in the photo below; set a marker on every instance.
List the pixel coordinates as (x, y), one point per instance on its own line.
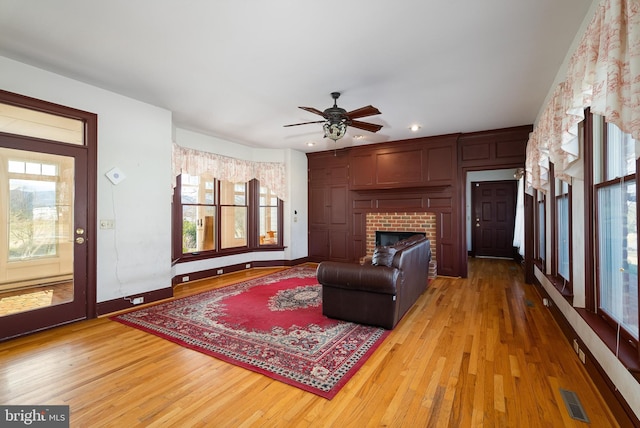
(239, 69)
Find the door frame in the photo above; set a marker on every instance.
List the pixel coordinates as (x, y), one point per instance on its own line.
(91, 146)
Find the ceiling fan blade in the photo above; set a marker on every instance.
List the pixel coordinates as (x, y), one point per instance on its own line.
(314, 111)
(362, 112)
(305, 123)
(371, 127)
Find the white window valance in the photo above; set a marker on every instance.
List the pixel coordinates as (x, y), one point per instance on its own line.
(604, 74)
(196, 162)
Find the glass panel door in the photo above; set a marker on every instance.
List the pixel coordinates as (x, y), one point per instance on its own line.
(43, 251)
(36, 255)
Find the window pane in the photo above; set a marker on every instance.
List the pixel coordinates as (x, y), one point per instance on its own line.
(233, 227)
(233, 193)
(33, 219)
(267, 198)
(620, 153)
(198, 228)
(541, 230)
(268, 225)
(33, 123)
(563, 236)
(197, 190)
(617, 254)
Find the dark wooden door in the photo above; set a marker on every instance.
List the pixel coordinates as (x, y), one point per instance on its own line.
(494, 211)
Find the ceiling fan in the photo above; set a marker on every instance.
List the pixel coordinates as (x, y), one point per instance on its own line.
(337, 119)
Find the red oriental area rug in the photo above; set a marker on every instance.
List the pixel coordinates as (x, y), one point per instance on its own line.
(272, 325)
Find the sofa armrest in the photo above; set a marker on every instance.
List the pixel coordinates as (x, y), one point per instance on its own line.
(376, 279)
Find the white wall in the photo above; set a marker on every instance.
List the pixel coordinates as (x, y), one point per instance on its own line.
(135, 257)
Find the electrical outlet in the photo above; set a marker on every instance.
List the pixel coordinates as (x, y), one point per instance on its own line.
(248, 266)
(185, 278)
(576, 348)
(220, 271)
(107, 224)
(137, 300)
(582, 357)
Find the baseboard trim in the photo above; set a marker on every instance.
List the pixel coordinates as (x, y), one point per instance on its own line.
(210, 273)
(115, 305)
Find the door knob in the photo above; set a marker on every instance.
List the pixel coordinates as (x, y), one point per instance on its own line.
(79, 240)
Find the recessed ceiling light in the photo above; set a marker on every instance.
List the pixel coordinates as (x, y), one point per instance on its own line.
(358, 137)
(414, 128)
(311, 144)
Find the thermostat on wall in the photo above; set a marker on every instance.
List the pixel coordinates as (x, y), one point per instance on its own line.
(115, 175)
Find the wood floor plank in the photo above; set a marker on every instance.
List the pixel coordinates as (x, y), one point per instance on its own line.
(476, 351)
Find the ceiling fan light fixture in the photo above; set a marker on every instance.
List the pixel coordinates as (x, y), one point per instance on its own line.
(334, 129)
(336, 119)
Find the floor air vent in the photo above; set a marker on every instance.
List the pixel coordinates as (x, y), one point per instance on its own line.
(576, 411)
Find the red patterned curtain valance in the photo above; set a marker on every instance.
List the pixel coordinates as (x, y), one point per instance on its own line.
(604, 74)
(196, 162)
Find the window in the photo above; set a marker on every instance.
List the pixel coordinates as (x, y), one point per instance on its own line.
(268, 217)
(616, 227)
(221, 217)
(563, 231)
(540, 235)
(33, 123)
(198, 213)
(233, 214)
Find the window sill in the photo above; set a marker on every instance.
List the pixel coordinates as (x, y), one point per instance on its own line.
(560, 285)
(627, 354)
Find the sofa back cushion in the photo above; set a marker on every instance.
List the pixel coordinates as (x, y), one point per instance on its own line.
(383, 256)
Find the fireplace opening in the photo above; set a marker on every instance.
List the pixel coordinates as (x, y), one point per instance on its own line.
(388, 238)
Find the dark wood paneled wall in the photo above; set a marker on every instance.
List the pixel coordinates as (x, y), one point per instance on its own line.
(421, 175)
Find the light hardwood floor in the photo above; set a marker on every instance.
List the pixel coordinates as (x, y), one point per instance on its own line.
(480, 351)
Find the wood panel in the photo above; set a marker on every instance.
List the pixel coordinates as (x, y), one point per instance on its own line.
(338, 205)
(441, 161)
(481, 351)
(318, 243)
(496, 148)
(318, 203)
(399, 169)
(410, 163)
(362, 170)
(447, 248)
(339, 244)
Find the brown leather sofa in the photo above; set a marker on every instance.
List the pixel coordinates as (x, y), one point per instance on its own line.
(382, 289)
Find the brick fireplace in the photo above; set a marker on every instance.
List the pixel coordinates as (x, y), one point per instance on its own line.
(403, 222)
